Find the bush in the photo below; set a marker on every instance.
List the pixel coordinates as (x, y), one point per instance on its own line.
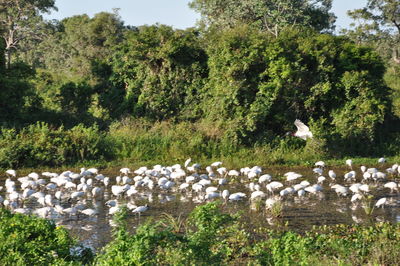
(211, 237)
(39, 144)
(258, 85)
(28, 240)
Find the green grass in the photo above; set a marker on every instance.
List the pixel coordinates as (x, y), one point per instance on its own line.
(137, 142)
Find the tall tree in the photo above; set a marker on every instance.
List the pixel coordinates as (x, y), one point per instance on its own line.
(78, 42)
(20, 19)
(270, 15)
(378, 24)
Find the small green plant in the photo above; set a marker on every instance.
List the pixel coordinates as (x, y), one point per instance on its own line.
(276, 209)
(367, 204)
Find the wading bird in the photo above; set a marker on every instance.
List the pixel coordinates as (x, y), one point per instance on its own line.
(303, 131)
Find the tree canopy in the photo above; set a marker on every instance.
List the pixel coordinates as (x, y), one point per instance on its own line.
(269, 15)
(379, 24)
(20, 19)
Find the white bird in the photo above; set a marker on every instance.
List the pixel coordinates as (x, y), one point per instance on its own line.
(216, 164)
(349, 163)
(187, 162)
(314, 189)
(58, 195)
(350, 176)
(113, 210)
(77, 194)
(225, 194)
(212, 195)
(264, 178)
(355, 188)
(222, 181)
(381, 160)
(320, 164)
(257, 194)
(141, 209)
(380, 202)
(364, 188)
(340, 190)
(318, 171)
(301, 193)
(356, 197)
(34, 175)
(303, 131)
(97, 192)
(363, 168)
(183, 186)
(125, 171)
(274, 185)
(286, 191)
(222, 171)
(391, 185)
(93, 171)
(233, 173)
(211, 189)
(237, 196)
(321, 179)
(11, 172)
(332, 174)
(89, 212)
(290, 176)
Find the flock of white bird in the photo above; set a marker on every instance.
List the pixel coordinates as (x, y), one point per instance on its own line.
(70, 194)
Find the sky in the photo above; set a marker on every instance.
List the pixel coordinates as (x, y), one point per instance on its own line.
(175, 13)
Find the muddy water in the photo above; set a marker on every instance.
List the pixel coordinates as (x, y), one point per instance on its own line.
(299, 214)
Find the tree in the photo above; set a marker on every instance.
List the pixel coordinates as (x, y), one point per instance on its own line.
(79, 43)
(161, 71)
(258, 85)
(379, 24)
(20, 19)
(269, 15)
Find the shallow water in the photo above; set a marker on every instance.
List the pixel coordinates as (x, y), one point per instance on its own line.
(299, 214)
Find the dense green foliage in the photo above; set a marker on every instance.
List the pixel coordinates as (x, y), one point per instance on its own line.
(226, 91)
(271, 16)
(28, 240)
(20, 20)
(162, 70)
(207, 237)
(211, 237)
(237, 97)
(39, 144)
(261, 84)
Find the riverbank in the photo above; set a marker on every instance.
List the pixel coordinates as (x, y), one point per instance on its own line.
(133, 144)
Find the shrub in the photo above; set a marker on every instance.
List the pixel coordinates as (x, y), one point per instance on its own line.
(211, 238)
(28, 240)
(39, 144)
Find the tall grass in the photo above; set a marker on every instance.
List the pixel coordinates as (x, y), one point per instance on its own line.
(137, 141)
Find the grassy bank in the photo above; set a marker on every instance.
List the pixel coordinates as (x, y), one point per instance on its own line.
(208, 236)
(137, 142)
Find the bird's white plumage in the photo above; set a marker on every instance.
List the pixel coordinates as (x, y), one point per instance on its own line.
(303, 131)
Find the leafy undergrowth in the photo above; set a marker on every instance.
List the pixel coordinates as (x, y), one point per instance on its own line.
(207, 237)
(135, 143)
(29, 240)
(210, 237)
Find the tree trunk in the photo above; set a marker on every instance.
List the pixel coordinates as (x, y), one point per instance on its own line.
(8, 58)
(395, 57)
